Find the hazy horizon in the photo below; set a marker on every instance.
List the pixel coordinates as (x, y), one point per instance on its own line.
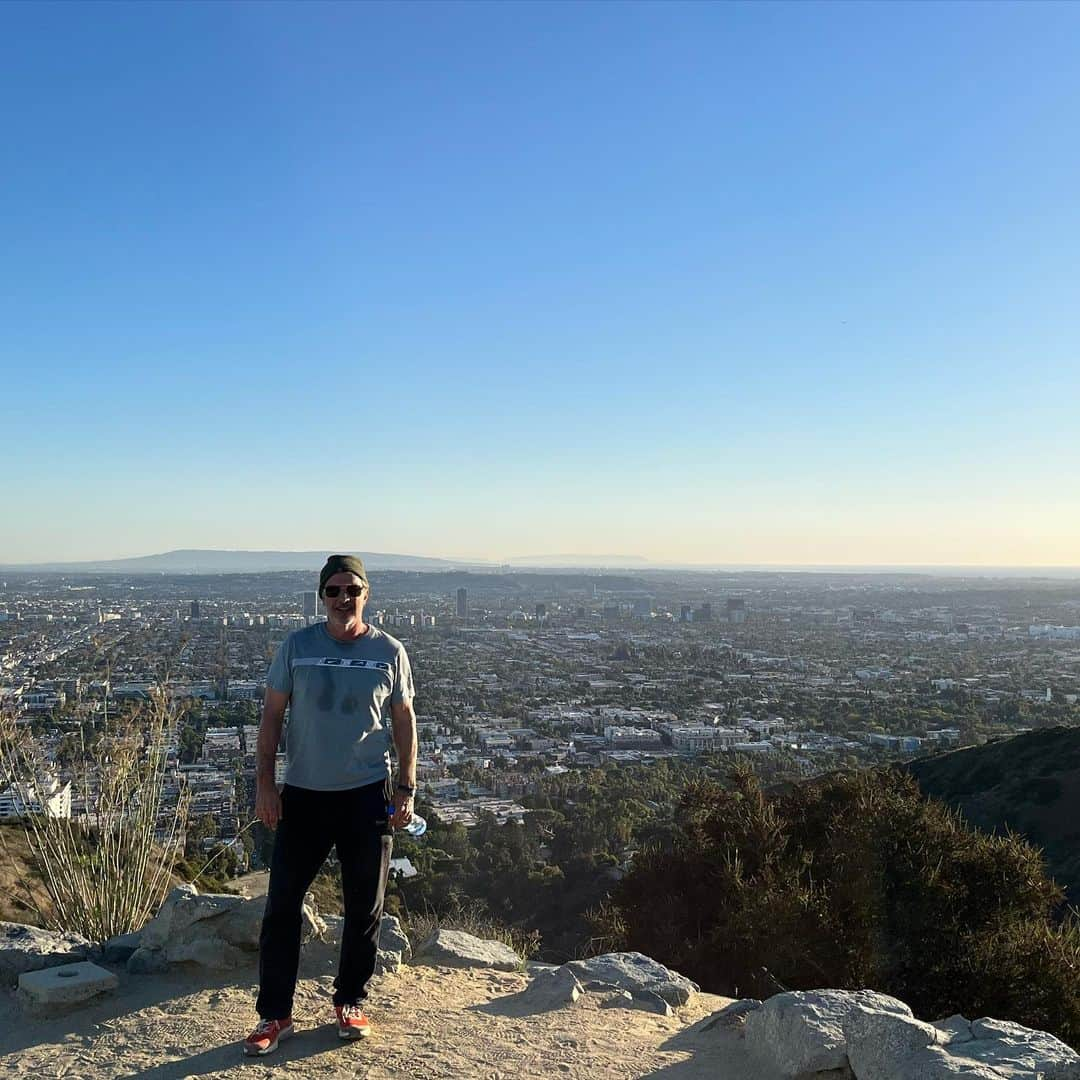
(722, 284)
(614, 562)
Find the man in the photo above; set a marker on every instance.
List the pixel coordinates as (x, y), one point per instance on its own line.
(339, 680)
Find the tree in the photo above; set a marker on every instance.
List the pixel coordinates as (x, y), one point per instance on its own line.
(853, 881)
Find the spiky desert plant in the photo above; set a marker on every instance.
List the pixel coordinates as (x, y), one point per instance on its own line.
(105, 871)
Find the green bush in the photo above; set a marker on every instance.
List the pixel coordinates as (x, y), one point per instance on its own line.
(853, 881)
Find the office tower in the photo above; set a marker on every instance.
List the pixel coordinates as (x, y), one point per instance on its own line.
(311, 605)
(736, 610)
(684, 613)
(643, 607)
(541, 610)
(194, 609)
(462, 603)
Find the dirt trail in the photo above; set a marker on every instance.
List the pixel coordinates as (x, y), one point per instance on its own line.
(429, 1022)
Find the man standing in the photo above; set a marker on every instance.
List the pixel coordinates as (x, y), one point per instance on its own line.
(340, 680)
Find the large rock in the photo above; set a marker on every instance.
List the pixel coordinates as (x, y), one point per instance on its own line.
(455, 948)
(650, 1002)
(884, 1044)
(633, 971)
(213, 930)
(802, 1034)
(147, 962)
(392, 938)
(28, 948)
(552, 990)
(1013, 1049)
(803, 1031)
(183, 908)
(118, 950)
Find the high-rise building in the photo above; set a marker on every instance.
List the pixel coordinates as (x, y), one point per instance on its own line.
(462, 603)
(311, 605)
(704, 613)
(541, 610)
(643, 607)
(194, 609)
(684, 613)
(736, 609)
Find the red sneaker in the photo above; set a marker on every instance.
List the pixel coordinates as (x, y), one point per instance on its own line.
(351, 1022)
(265, 1038)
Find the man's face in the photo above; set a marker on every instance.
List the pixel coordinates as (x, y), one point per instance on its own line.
(344, 610)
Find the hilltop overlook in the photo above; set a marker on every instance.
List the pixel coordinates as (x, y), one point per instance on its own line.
(429, 1022)
(463, 1007)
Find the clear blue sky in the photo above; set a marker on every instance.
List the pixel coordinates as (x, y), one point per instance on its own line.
(706, 283)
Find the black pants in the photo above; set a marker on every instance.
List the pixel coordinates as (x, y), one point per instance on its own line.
(312, 822)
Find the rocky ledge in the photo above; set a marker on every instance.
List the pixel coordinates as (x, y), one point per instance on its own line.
(825, 1034)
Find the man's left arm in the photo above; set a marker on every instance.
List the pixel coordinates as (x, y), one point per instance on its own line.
(403, 722)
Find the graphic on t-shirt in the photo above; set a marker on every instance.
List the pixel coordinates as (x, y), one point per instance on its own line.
(339, 662)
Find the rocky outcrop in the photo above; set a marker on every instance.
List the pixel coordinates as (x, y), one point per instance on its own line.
(455, 948)
(552, 989)
(28, 948)
(213, 930)
(869, 1036)
(635, 972)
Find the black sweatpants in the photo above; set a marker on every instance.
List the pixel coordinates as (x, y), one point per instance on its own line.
(355, 822)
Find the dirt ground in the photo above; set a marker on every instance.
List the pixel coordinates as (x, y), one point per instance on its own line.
(428, 1022)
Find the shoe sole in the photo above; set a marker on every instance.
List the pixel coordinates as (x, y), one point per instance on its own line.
(353, 1034)
(252, 1052)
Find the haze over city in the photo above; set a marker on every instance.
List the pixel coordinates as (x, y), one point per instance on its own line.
(708, 284)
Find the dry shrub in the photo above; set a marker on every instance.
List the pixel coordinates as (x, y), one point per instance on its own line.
(105, 872)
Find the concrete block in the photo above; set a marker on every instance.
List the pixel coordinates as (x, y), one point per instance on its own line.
(68, 984)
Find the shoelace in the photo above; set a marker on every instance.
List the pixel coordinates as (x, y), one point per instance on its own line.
(265, 1027)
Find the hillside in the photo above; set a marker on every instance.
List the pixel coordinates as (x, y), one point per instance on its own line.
(17, 875)
(1029, 783)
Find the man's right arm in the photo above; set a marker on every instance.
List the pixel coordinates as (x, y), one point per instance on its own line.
(267, 798)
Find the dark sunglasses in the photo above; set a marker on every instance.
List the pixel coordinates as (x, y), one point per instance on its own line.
(352, 591)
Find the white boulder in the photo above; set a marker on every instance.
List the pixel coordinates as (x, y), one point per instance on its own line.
(455, 948)
(552, 990)
(803, 1031)
(634, 971)
(29, 948)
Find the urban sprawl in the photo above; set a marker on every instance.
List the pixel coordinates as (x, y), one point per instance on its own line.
(523, 675)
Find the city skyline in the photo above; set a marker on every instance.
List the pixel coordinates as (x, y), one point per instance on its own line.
(726, 284)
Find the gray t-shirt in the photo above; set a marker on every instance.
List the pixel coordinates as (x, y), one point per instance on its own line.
(339, 734)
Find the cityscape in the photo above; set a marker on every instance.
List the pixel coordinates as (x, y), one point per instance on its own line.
(523, 675)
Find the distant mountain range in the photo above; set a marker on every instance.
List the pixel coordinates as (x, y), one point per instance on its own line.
(203, 561)
(206, 561)
(1029, 783)
(197, 561)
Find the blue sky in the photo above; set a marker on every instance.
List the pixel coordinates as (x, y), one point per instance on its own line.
(704, 283)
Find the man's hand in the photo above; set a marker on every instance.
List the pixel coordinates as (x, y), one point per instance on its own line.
(268, 805)
(403, 808)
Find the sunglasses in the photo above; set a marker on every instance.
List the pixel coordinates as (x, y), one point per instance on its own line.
(352, 591)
